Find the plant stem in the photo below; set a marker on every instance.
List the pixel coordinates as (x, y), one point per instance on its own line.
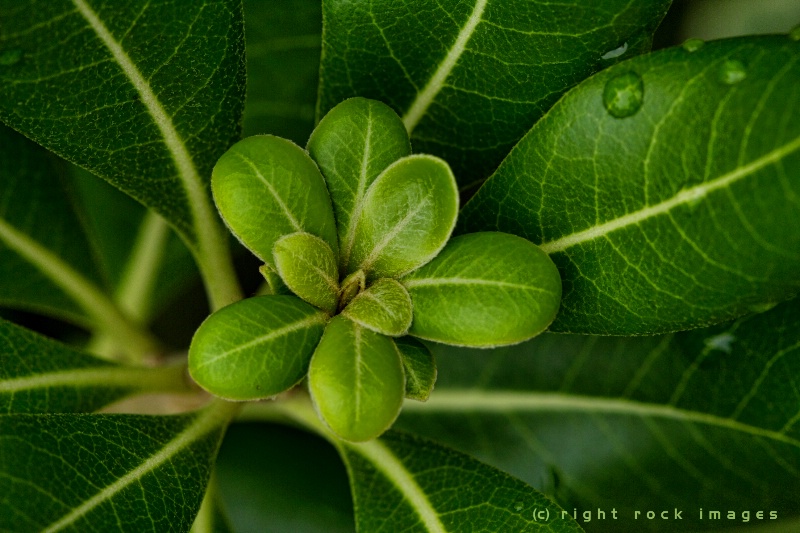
(105, 314)
(135, 290)
(213, 256)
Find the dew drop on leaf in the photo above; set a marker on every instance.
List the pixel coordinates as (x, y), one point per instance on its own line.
(10, 57)
(795, 33)
(623, 95)
(616, 52)
(693, 45)
(722, 342)
(732, 72)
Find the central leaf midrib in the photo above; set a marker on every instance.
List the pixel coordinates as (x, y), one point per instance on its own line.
(683, 197)
(202, 215)
(317, 318)
(425, 97)
(205, 423)
(385, 462)
(467, 401)
(428, 282)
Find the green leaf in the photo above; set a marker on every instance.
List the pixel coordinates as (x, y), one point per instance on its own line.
(356, 380)
(385, 307)
(419, 367)
(308, 267)
(469, 78)
(40, 233)
(255, 348)
(676, 216)
(39, 375)
(281, 478)
(267, 187)
(483, 290)
(156, 107)
(405, 483)
(352, 145)
(407, 216)
(106, 472)
(284, 40)
(699, 419)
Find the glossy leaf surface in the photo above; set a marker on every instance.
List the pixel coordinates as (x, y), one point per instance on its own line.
(36, 216)
(698, 419)
(385, 307)
(267, 187)
(56, 472)
(39, 375)
(405, 483)
(419, 367)
(408, 214)
(676, 216)
(356, 380)
(352, 145)
(148, 95)
(256, 347)
(484, 289)
(308, 267)
(470, 78)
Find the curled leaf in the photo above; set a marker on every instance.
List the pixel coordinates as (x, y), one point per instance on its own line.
(408, 215)
(484, 289)
(385, 308)
(255, 348)
(356, 380)
(266, 187)
(419, 367)
(308, 267)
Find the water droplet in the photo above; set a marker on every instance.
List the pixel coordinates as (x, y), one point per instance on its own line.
(693, 45)
(722, 342)
(616, 52)
(10, 57)
(795, 33)
(623, 95)
(732, 72)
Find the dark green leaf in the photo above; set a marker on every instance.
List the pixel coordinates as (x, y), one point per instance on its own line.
(145, 262)
(308, 267)
(405, 483)
(676, 216)
(38, 375)
(700, 419)
(106, 472)
(352, 145)
(147, 96)
(36, 216)
(484, 289)
(385, 307)
(277, 478)
(469, 78)
(356, 380)
(418, 366)
(408, 214)
(255, 348)
(284, 38)
(267, 187)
